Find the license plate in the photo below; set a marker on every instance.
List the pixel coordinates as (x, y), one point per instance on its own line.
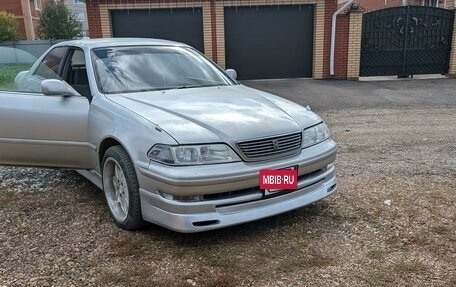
(272, 181)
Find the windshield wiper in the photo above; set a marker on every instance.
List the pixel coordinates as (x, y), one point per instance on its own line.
(197, 86)
(164, 89)
(145, 90)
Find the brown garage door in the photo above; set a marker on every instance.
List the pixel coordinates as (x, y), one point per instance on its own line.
(182, 25)
(266, 42)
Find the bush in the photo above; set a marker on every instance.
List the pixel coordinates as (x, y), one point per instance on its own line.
(58, 22)
(8, 27)
(8, 74)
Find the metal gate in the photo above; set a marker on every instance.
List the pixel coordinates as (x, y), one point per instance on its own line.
(406, 41)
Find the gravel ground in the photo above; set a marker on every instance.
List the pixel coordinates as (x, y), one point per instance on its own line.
(393, 222)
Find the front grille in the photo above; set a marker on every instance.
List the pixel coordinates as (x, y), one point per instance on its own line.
(271, 147)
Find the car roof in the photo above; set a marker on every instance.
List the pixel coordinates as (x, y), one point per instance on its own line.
(112, 42)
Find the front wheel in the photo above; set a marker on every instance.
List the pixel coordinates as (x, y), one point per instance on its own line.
(121, 188)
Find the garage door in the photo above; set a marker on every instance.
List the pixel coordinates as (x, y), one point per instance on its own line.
(267, 42)
(182, 25)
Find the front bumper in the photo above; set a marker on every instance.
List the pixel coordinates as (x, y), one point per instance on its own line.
(316, 180)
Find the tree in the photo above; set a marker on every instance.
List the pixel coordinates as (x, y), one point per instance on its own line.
(8, 27)
(58, 22)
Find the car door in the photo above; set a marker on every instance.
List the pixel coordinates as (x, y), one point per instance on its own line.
(43, 130)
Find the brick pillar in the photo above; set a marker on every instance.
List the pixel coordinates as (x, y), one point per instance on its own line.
(209, 27)
(28, 21)
(354, 44)
(219, 31)
(452, 72)
(341, 51)
(93, 16)
(319, 38)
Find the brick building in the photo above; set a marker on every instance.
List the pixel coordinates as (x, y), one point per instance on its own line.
(79, 9)
(235, 34)
(447, 4)
(27, 15)
(259, 38)
(372, 5)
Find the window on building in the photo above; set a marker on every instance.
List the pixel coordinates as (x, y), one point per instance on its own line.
(37, 4)
(80, 16)
(431, 3)
(78, 2)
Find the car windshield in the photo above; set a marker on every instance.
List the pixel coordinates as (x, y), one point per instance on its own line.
(151, 68)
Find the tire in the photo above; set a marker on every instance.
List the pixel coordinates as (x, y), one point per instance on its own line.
(121, 189)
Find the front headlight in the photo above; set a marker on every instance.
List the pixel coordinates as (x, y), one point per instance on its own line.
(314, 135)
(192, 154)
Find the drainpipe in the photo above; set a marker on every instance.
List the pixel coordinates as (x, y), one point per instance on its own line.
(333, 35)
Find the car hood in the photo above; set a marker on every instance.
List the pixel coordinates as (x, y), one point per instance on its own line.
(218, 114)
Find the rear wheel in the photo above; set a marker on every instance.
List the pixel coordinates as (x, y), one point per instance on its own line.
(121, 188)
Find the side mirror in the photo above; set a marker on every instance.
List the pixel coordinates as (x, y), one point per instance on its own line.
(53, 87)
(232, 73)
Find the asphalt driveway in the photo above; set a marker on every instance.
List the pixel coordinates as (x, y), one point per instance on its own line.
(335, 94)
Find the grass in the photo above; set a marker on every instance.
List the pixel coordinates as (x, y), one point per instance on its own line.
(291, 265)
(8, 73)
(142, 276)
(136, 276)
(445, 232)
(128, 246)
(376, 253)
(223, 280)
(441, 230)
(413, 266)
(6, 197)
(390, 274)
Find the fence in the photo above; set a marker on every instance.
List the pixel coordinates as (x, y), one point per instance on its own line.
(20, 52)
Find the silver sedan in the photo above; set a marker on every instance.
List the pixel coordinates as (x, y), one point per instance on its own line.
(170, 137)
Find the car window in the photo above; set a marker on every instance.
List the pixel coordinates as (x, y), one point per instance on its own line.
(50, 66)
(13, 61)
(148, 68)
(76, 73)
